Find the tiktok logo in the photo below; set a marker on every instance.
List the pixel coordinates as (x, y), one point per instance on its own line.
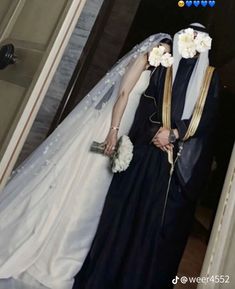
(175, 281)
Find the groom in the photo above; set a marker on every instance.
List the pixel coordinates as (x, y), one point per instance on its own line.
(194, 160)
(194, 164)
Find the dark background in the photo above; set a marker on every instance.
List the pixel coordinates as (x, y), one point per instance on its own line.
(122, 24)
(165, 16)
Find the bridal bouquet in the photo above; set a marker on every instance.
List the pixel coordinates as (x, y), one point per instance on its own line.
(190, 43)
(121, 157)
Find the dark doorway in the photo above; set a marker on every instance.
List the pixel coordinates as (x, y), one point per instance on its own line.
(165, 16)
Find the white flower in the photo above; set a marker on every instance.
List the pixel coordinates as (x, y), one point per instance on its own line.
(155, 55)
(190, 43)
(123, 155)
(186, 38)
(188, 52)
(158, 56)
(186, 44)
(203, 42)
(167, 60)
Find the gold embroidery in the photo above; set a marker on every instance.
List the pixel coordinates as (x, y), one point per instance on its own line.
(196, 117)
(153, 121)
(166, 107)
(199, 106)
(149, 96)
(198, 109)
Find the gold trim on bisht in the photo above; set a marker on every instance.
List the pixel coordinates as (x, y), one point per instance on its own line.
(166, 115)
(166, 107)
(199, 106)
(195, 120)
(198, 109)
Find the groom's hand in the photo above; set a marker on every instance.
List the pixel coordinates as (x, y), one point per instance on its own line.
(161, 138)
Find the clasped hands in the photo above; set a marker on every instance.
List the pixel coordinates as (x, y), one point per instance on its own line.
(161, 139)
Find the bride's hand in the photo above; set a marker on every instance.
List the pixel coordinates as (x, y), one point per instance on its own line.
(110, 142)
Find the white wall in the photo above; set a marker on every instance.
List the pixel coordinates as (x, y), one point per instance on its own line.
(220, 256)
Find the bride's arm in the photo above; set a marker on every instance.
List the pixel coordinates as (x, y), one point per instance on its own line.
(129, 80)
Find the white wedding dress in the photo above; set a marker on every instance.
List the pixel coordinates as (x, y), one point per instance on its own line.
(47, 229)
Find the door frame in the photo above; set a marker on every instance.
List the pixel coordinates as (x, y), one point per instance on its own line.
(218, 247)
(57, 47)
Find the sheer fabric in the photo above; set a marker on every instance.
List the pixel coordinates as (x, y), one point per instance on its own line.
(51, 206)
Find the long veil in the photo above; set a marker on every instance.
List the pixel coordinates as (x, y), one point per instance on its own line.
(50, 208)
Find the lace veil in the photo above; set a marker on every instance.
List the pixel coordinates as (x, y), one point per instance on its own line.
(86, 111)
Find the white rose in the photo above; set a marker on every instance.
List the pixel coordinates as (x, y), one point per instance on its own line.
(203, 42)
(167, 60)
(186, 38)
(116, 166)
(123, 156)
(186, 44)
(188, 50)
(155, 55)
(189, 45)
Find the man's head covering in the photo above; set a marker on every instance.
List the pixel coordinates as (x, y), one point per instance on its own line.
(198, 73)
(198, 27)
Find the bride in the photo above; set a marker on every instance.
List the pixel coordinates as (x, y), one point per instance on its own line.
(50, 208)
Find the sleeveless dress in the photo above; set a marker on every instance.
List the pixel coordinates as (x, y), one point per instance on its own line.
(131, 249)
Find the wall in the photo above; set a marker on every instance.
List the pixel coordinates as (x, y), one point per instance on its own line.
(60, 81)
(220, 254)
